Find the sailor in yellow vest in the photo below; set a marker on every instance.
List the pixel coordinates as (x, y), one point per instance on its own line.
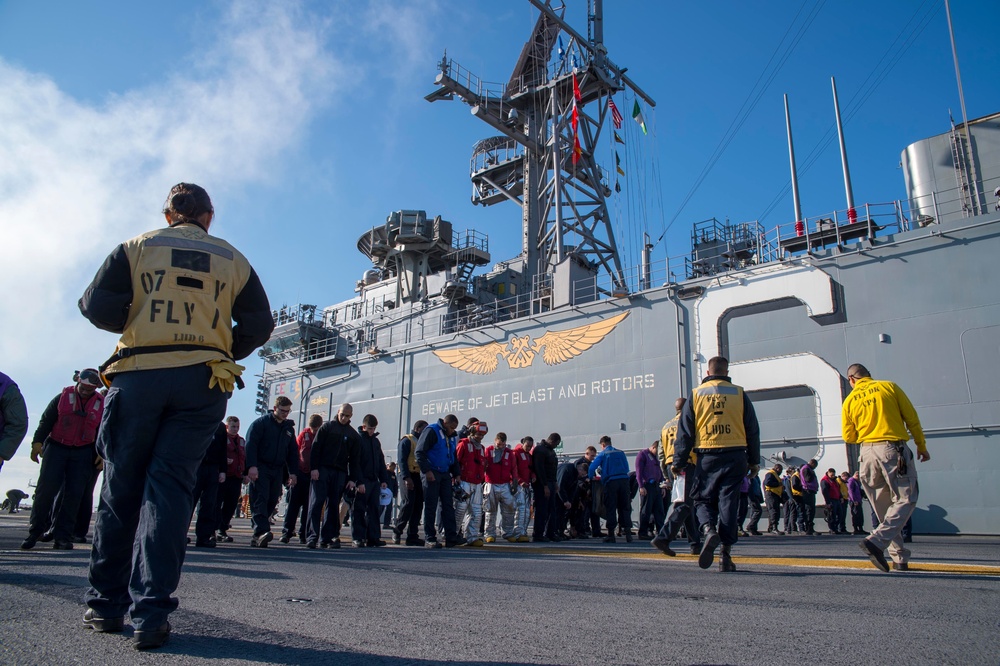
(878, 416)
(772, 498)
(173, 295)
(682, 512)
(411, 493)
(719, 423)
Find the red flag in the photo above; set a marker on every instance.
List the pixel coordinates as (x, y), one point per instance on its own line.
(616, 115)
(577, 150)
(576, 90)
(575, 118)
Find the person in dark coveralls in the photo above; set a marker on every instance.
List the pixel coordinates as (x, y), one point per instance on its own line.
(720, 424)
(298, 495)
(411, 491)
(615, 482)
(65, 439)
(13, 418)
(271, 450)
(879, 416)
(436, 456)
(545, 464)
(14, 498)
(211, 476)
(236, 469)
(334, 449)
(568, 476)
(173, 294)
(370, 476)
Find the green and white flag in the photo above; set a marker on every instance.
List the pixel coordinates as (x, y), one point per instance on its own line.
(637, 116)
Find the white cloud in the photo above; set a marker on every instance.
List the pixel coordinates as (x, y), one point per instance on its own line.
(77, 178)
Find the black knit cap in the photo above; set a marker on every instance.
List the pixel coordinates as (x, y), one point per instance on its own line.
(187, 200)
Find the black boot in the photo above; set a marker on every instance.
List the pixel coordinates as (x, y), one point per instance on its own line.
(709, 542)
(726, 561)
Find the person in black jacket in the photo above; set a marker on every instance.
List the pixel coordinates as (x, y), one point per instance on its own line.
(271, 451)
(543, 458)
(211, 474)
(335, 447)
(568, 477)
(370, 476)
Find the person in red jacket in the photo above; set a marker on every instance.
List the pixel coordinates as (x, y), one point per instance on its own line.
(298, 495)
(501, 482)
(472, 463)
(232, 487)
(65, 440)
(522, 498)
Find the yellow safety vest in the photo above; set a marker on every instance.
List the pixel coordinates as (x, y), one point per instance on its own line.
(791, 484)
(718, 415)
(411, 460)
(776, 490)
(184, 283)
(668, 436)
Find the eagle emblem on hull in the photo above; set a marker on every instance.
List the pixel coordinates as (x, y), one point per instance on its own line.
(520, 351)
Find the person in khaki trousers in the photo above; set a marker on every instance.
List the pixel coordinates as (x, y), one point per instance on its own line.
(878, 416)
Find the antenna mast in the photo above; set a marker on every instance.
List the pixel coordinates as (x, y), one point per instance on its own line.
(562, 191)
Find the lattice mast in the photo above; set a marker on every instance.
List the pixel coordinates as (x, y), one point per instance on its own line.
(564, 203)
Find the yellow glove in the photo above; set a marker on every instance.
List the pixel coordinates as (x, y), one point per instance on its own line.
(36, 451)
(224, 374)
(99, 463)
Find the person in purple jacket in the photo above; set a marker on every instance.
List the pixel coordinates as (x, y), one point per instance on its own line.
(649, 475)
(854, 495)
(810, 486)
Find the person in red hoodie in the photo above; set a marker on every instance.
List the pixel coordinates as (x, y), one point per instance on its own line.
(298, 495)
(522, 499)
(501, 482)
(472, 463)
(236, 469)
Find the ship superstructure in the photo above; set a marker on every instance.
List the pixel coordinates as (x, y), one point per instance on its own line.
(565, 337)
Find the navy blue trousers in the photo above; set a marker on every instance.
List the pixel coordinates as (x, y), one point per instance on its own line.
(329, 488)
(682, 513)
(365, 513)
(229, 497)
(264, 495)
(410, 508)
(545, 510)
(651, 511)
(716, 491)
(206, 495)
(618, 505)
(440, 490)
(155, 430)
(298, 503)
(65, 473)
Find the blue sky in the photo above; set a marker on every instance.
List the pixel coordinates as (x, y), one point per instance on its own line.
(306, 122)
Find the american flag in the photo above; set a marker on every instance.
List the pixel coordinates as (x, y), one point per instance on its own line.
(616, 115)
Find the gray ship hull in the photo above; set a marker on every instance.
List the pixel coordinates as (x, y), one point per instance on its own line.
(917, 307)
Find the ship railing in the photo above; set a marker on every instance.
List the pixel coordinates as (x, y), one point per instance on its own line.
(840, 227)
(951, 204)
(302, 313)
(490, 94)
